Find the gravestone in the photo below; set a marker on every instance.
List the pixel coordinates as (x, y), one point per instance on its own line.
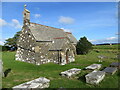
(110, 70)
(93, 66)
(71, 72)
(115, 64)
(101, 57)
(95, 77)
(37, 83)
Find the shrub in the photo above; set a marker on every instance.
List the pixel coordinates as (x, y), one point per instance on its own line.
(83, 46)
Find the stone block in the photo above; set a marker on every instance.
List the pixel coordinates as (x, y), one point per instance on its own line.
(110, 70)
(37, 83)
(71, 72)
(95, 77)
(94, 66)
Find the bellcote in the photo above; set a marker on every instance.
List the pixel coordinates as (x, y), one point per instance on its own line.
(26, 16)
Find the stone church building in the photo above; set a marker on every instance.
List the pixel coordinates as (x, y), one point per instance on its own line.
(40, 44)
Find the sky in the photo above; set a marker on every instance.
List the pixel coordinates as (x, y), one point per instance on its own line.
(98, 21)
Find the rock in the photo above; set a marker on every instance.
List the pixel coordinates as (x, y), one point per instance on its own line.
(94, 66)
(110, 70)
(95, 77)
(70, 72)
(37, 83)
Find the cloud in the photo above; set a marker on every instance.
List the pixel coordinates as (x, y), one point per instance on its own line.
(106, 40)
(117, 34)
(91, 40)
(37, 15)
(1, 43)
(66, 20)
(111, 38)
(37, 8)
(15, 23)
(66, 30)
(2, 22)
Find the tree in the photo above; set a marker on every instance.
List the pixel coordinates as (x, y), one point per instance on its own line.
(83, 46)
(12, 42)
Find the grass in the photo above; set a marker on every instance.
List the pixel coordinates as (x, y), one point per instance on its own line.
(22, 72)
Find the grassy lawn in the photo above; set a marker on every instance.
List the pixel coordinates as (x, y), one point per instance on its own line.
(22, 72)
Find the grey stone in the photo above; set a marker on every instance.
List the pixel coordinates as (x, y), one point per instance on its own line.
(94, 66)
(69, 73)
(37, 83)
(95, 77)
(110, 70)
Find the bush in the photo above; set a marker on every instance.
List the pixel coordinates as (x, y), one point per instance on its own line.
(83, 46)
(4, 48)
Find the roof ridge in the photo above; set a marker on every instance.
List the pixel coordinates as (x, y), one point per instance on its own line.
(46, 26)
(68, 32)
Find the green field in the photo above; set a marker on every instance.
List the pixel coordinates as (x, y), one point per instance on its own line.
(22, 72)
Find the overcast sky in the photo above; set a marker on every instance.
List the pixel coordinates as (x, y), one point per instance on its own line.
(95, 20)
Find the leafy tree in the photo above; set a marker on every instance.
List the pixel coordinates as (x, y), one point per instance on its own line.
(83, 46)
(13, 41)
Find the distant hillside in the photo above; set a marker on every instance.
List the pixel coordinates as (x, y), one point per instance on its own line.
(112, 47)
(108, 44)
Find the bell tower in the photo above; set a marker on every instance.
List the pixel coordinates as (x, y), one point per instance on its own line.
(26, 16)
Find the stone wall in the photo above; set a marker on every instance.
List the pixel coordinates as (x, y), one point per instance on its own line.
(38, 52)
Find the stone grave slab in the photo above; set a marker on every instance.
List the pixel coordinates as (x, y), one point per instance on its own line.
(71, 72)
(110, 70)
(95, 77)
(93, 66)
(37, 83)
(101, 57)
(115, 64)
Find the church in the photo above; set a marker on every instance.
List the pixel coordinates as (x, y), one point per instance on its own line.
(40, 44)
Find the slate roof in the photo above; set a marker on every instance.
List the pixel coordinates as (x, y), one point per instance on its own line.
(47, 33)
(58, 43)
(71, 37)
